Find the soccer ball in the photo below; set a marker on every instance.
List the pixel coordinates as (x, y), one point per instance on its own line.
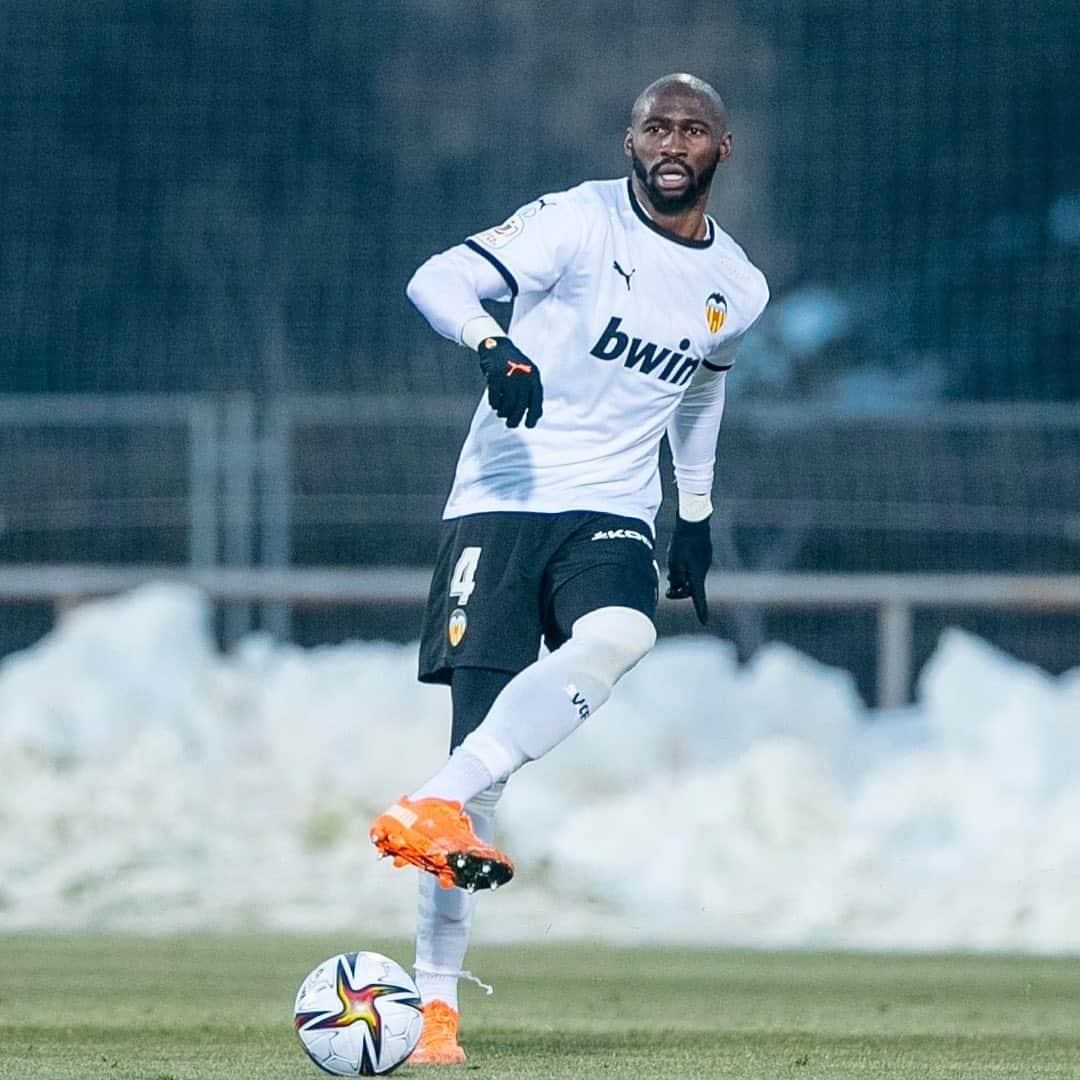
(358, 1014)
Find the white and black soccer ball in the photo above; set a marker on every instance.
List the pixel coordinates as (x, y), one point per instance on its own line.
(358, 1014)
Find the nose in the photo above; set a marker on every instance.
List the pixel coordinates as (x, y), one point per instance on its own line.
(674, 144)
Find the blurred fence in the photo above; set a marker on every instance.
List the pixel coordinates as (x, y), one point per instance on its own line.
(359, 481)
(351, 480)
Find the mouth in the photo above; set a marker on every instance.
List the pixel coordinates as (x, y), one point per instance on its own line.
(670, 176)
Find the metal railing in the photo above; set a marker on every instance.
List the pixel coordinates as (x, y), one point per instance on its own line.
(895, 597)
(244, 459)
(243, 490)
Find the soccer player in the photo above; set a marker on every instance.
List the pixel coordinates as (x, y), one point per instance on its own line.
(629, 301)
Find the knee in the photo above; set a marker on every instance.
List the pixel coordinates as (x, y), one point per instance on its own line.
(615, 639)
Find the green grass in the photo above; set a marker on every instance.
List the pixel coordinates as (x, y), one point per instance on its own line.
(199, 1008)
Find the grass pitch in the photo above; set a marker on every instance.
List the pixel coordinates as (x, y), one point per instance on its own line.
(199, 1008)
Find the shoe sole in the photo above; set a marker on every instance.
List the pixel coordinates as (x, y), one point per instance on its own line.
(435, 1057)
(461, 868)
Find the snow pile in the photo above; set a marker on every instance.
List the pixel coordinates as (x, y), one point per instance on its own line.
(147, 782)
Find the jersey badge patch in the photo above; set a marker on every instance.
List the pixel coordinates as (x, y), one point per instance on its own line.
(501, 235)
(715, 311)
(459, 622)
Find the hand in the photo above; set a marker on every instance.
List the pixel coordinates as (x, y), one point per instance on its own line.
(689, 558)
(513, 382)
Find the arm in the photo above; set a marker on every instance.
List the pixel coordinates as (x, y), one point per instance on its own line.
(692, 433)
(447, 290)
(528, 253)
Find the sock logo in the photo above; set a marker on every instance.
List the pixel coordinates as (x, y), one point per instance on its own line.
(577, 699)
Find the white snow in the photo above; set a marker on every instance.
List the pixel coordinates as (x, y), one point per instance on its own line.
(149, 783)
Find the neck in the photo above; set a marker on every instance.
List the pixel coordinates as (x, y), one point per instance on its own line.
(688, 224)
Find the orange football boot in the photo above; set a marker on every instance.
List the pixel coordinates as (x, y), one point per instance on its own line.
(438, 1043)
(437, 836)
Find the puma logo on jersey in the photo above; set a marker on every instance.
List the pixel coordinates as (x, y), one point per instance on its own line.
(623, 534)
(646, 357)
(627, 276)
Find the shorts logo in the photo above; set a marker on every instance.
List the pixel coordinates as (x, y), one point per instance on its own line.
(715, 311)
(501, 235)
(459, 621)
(623, 534)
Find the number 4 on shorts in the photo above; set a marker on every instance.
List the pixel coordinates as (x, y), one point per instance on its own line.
(463, 579)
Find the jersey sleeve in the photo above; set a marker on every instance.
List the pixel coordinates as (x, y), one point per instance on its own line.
(695, 425)
(722, 358)
(448, 287)
(534, 246)
(693, 429)
(751, 306)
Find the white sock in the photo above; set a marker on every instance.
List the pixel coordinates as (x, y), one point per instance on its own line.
(463, 776)
(444, 917)
(537, 710)
(547, 701)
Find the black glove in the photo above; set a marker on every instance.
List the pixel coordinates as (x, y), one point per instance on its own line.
(689, 558)
(513, 382)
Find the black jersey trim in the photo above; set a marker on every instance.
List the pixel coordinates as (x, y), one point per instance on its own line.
(710, 230)
(717, 367)
(507, 276)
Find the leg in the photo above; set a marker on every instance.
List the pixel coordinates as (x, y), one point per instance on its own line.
(597, 605)
(534, 713)
(444, 916)
(545, 703)
(596, 602)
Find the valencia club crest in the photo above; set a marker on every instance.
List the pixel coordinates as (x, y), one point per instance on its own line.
(715, 311)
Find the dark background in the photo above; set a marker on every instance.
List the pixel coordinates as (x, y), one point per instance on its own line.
(211, 196)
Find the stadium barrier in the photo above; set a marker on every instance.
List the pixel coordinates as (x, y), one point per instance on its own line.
(228, 480)
(895, 597)
(337, 481)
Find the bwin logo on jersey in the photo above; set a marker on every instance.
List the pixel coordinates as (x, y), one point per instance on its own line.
(645, 356)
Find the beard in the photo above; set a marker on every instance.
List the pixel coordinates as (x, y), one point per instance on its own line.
(665, 202)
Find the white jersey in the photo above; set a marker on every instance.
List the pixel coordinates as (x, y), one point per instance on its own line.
(621, 319)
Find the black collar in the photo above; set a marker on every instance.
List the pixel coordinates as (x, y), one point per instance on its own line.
(710, 231)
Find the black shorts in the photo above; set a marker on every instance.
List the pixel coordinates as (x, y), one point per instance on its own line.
(504, 580)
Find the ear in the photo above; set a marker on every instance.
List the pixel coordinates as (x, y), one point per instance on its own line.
(725, 146)
(628, 142)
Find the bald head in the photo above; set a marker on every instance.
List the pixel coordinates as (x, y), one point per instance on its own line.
(678, 135)
(684, 88)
